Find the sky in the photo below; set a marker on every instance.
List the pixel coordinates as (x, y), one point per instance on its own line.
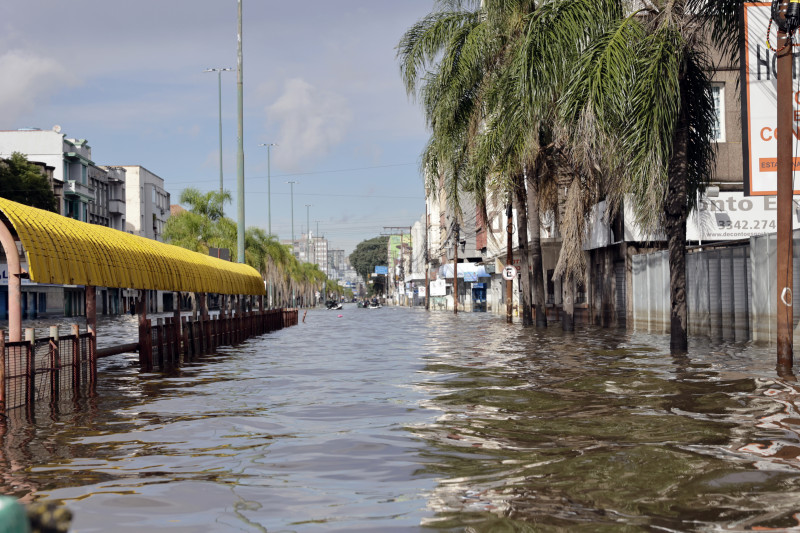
(320, 78)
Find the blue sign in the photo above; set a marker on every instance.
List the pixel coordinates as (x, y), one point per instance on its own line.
(382, 270)
(478, 285)
(470, 276)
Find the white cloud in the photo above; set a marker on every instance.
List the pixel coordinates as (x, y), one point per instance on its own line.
(311, 122)
(27, 81)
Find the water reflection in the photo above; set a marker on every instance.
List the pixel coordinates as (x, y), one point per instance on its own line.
(397, 419)
(605, 430)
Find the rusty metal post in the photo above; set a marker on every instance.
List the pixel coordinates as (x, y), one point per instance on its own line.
(176, 321)
(785, 190)
(14, 284)
(55, 365)
(185, 336)
(145, 341)
(2, 372)
(509, 261)
(30, 369)
(91, 326)
(76, 360)
(160, 342)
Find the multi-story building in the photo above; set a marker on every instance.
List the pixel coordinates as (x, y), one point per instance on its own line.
(116, 197)
(70, 160)
(89, 193)
(147, 203)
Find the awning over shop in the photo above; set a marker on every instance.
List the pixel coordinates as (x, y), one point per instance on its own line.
(465, 270)
(64, 251)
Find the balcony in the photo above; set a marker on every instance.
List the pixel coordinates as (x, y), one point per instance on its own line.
(116, 207)
(74, 188)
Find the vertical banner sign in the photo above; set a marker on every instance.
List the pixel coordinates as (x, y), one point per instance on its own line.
(759, 104)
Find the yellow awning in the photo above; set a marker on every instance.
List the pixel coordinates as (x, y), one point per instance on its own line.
(64, 251)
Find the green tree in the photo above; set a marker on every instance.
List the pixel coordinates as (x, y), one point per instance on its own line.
(369, 254)
(640, 97)
(483, 140)
(21, 181)
(203, 225)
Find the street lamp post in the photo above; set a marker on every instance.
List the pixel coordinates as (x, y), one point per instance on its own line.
(219, 72)
(308, 231)
(308, 240)
(240, 147)
(269, 191)
(291, 184)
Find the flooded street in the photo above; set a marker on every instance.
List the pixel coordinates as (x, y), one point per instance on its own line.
(395, 419)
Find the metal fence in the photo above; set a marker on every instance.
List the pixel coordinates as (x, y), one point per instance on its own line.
(51, 369)
(731, 291)
(167, 343)
(65, 368)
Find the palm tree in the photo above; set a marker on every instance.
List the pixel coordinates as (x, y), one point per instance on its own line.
(466, 46)
(639, 106)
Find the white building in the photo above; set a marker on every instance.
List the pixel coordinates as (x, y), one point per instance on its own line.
(70, 160)
(147, 203)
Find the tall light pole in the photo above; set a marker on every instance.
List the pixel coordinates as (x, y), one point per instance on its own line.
(291, 184)
(240, 151)
(308, 231)
(269, 191)
(219, 72)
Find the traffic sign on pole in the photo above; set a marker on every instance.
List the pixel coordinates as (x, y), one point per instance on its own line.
(509, 272)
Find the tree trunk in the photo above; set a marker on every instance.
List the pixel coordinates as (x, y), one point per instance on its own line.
(537, 265)
(675, 211)
(520, 198)
(568, 303)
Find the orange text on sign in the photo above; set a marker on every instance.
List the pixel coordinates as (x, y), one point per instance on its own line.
(770, 164)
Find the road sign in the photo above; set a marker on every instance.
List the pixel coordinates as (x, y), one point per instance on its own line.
(509, 272)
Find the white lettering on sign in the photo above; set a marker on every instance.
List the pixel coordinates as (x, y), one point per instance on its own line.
(733, 216)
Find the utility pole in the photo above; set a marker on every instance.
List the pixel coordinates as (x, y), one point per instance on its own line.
(308, 234)
(785, 191)
(509, 261)
(427, 259)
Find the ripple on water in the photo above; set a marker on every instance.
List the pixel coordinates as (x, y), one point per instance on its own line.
(397, 419)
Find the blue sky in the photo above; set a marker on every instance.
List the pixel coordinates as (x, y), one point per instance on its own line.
(321, 79)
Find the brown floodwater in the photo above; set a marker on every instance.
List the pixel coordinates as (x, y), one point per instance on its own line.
(396, 419)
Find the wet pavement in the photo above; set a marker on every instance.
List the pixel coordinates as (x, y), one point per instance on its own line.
(396, 419)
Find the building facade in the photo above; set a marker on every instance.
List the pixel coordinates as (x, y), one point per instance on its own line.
(147, 203)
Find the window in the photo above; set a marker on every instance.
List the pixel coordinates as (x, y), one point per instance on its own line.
(718, 95)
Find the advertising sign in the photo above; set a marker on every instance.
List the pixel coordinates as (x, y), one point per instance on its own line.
(421, 292)
(382, 270)
(438, 287)
(4, 275)
(732, 216)
(759, 104)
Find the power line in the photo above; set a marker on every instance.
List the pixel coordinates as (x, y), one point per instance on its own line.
(305, 173)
